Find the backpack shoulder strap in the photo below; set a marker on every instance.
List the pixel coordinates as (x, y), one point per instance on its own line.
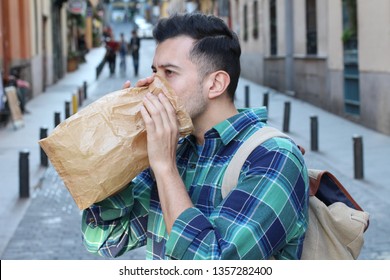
(232, 173)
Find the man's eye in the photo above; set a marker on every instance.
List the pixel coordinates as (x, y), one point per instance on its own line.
(168, 72)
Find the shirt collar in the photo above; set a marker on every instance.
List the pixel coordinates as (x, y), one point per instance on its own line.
(231, 127)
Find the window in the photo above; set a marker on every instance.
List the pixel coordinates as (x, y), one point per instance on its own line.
(311, 27)
(245, 22)
(273, 28)
(350, 26)
(351, 58)
(255, 20)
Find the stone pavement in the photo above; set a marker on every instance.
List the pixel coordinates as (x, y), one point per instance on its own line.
(47, 225)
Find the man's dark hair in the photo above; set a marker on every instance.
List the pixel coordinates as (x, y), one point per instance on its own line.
(216, 47)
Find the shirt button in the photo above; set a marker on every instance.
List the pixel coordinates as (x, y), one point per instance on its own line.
(91, 221)
(192, 165)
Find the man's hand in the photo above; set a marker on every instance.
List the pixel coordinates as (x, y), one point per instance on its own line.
(161, 127)
(162, 132)
(162, 137)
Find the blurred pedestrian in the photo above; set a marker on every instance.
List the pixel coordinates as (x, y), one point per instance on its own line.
(123, 53)
(111, 49)
(107, 33)
(135, 44)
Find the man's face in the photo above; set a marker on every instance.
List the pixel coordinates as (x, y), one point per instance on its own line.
(171, 61)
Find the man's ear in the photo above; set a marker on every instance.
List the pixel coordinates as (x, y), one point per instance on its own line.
(218, 83)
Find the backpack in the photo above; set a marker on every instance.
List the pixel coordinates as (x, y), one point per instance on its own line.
(336, 222)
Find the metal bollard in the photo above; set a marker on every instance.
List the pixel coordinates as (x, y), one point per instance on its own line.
(314, 133)
(358, 156)
(247, 96)
(24, 174)
(265, 99)
(44, 159)
(85, 89)
(74, 104)
(57, 119)
(67, 109)
(80, 96)
(286, 118)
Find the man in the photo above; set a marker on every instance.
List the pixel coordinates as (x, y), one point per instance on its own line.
(178, 212)
(111, 49)
(122, 53)
(135, 44)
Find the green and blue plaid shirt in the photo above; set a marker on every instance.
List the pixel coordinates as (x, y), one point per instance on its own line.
(265, 215)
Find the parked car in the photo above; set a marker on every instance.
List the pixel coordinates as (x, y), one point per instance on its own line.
(118, 15)
(145, 30)
(138, 19)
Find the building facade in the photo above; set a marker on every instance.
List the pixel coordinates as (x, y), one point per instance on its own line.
(333, 54)
(35, 38)
(32, 34)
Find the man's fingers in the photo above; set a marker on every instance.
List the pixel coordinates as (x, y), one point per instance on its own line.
(141, 83)
(153, 109)
(147, 119)
(127, 84)
(168, 108)
(161, 112)
(145, 82)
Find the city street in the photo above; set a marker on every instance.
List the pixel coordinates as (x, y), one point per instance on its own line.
(49, 226)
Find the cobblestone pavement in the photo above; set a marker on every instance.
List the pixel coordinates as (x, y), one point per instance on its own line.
(50, 229)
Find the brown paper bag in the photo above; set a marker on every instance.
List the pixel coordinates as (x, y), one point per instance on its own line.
(100, 149)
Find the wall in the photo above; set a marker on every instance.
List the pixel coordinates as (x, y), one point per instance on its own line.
(374, 64)
(2, 35)
(252, 58)
(319, 79)
(15, 38)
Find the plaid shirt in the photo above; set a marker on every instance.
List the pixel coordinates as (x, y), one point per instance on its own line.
(265, 215)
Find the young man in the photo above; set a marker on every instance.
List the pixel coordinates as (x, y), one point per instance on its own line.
(178, 212)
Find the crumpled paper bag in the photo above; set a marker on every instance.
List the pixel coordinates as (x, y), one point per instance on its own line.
(100, 149)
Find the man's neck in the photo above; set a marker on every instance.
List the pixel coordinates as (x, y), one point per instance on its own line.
(213, 116)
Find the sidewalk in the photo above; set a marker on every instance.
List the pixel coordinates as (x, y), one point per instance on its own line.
(51, 208)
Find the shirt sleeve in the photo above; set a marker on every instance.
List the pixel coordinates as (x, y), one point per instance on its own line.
(264, 216)
(118, 224)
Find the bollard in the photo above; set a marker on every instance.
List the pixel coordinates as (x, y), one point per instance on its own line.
(44, 160)
(314, 133)
(286, 118)
(247, 96)
(67, 109)
(358, 156)
(85, 89)
(57, 119)
(74, 104)
(265, 99)
(24, 174)
(81, 96)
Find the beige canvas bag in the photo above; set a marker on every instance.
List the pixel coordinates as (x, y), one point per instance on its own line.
(336, 221)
